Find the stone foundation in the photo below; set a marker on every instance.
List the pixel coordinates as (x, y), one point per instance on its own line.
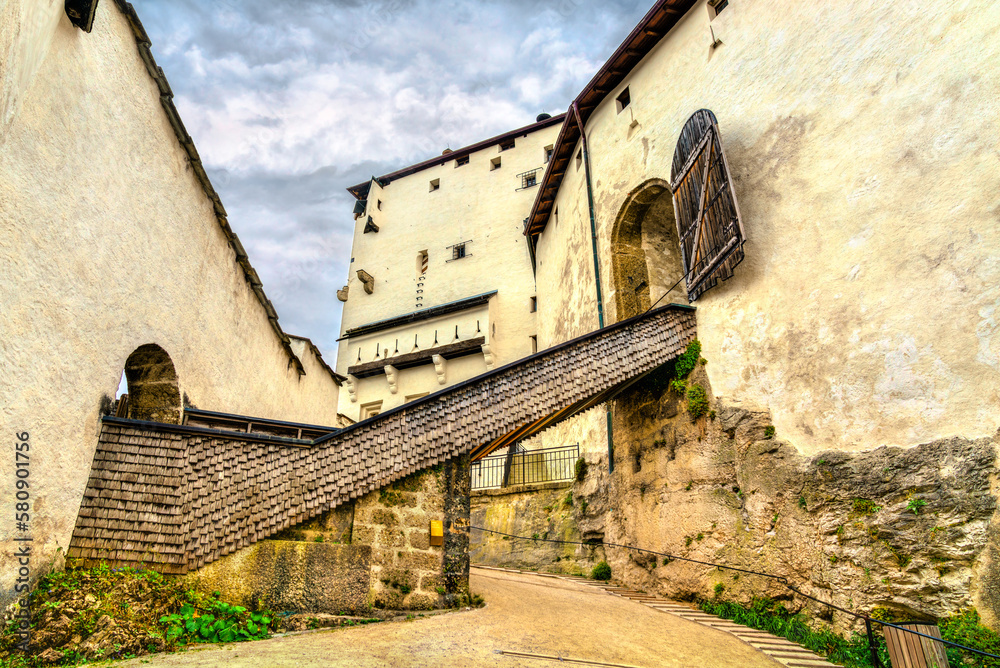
(907, 530)
(546, 511)
(291, 576)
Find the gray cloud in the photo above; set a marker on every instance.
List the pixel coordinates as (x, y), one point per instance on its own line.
(291, 101)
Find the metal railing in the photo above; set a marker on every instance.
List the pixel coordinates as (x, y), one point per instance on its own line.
(525, 467)
(868, 620)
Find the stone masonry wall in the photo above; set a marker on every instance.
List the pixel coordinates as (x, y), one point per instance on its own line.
(407, 572)
(910, 531)
(543, 511)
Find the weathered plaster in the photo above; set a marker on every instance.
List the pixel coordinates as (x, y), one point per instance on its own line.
(110, 244)
(863, 152)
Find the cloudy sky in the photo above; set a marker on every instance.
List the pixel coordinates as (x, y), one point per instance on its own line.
(291, 101)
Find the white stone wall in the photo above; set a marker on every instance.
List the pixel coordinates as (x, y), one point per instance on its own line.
(109, 243)
(474, 204)
(862, 142)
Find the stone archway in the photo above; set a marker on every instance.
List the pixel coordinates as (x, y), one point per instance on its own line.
(645, 251)
(153, 390)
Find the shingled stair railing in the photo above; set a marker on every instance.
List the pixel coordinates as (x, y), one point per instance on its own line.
(174, 498)
(781, 650)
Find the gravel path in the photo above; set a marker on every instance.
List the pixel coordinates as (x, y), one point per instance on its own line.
(525, 614)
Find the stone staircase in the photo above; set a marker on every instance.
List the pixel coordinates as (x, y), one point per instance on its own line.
(781, 650)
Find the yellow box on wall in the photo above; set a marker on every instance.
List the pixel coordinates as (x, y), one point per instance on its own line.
(437, 532)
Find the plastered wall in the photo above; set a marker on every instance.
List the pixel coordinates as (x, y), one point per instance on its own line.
(862, 144)
(107, 243)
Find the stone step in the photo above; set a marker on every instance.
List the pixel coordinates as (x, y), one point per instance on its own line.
(806, 663)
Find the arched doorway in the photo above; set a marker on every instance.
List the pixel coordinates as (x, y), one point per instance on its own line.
(153, 391)
(645, 252)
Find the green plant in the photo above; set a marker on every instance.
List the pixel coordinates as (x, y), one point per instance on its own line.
(916, 505)
(688, 487)
(822, 462)
(719, 588)
(769, 615)
(319, 539)
(700, 536)
(687, 360)
(439, 590)
(219, 622)
(568, 501)
(802, 502)
(666, 560)
(467, 599)
(580, 469)
(769, 431)
(711, 414)
(679, 385)
(602, 571)
(688, 540)
(697, 401)
(405, 589)
(534, 537)
(965, 628)
(583, 507)
(865, 507)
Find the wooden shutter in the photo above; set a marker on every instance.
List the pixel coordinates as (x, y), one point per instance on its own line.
(708, 219)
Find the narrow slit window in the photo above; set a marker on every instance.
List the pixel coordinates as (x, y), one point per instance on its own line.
(534, 344)
(548, 153)
(534, 304)
(623, 100)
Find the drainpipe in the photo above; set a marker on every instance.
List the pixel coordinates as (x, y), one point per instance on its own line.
(597, 265)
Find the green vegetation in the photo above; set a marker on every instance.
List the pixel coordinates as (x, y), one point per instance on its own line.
(802, 502)
(388, 496)
(771, 616)
(687, 360)
(602, 571)
(688, 540)
(688, 487)
(679, 385)
(583, 506)
(719, 588)
(697, 401)
(581, 469)
(219, 622)
(568, 501)
(916, 505)
(88, 614)
(467, 599)
(769, 431)
(865, 507)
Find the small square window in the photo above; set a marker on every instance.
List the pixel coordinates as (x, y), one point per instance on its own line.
(458, 251)
(548, 153)
(507, 145)
(494, 163)
(371, 410)
(464, 160)
(622, 100)
(715, 7)
(435, 184)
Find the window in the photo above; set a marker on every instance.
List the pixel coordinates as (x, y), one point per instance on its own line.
(413, 397)
(529, 179)
(421, 263)
(715, 7)
(371, 410)
(494, 164)
(435, 184)
(534, 304)
(534, 344)
(579, 158)
(707, 215)
(379, 205)
(464, 160)
(507, 145)
(460, 250)
(548, 153)
(622, 100)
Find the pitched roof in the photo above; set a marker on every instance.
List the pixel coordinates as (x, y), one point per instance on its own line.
(360, 191)
(647, 34)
